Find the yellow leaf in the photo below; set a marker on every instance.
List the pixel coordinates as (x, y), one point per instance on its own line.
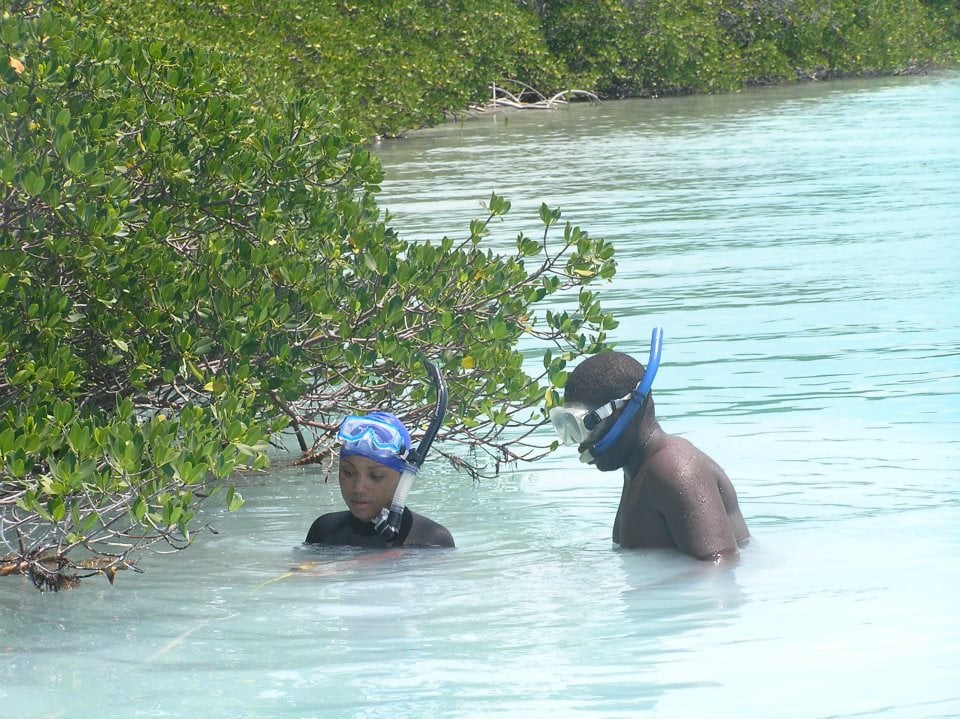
(18, 67)
(217, 386)
(467, 362)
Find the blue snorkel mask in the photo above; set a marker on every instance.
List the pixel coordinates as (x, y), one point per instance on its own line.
(379, 436)
(574, 424)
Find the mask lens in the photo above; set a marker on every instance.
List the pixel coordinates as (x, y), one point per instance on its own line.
(568, 423)
(358, 433)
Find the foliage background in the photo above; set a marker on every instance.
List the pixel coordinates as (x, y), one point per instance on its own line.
(393, 65)
(185, 274)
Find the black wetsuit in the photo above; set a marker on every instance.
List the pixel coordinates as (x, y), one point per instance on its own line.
(344, 529)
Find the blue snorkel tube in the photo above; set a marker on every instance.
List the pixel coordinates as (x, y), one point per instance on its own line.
(637, 399)
(388, 523)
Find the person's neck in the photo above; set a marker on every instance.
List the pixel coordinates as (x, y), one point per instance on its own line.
(647, 439)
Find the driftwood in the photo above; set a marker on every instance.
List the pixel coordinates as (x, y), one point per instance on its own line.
(529, 98)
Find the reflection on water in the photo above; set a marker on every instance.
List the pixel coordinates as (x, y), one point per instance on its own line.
(800, 248)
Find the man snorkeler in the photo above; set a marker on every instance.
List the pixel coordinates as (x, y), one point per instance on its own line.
(673, 495)
(375, 452)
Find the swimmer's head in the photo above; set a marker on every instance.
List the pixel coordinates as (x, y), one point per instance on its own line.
(598, 391)
(602, 378)
(379, 436)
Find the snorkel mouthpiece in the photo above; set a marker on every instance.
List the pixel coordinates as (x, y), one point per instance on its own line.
(633, 406)
(388, 522)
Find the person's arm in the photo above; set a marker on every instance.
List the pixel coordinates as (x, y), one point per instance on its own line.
(700, 527)
(694, 511)
(732, 504)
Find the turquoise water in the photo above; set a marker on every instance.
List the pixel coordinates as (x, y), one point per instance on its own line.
(800, 247)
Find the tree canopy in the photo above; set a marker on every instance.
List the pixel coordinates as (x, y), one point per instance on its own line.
(184, 277)
(393, 65)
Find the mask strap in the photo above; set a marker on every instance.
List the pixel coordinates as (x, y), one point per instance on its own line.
(636, 400)
(593, 419)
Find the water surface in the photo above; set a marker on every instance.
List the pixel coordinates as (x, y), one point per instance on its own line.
(799, 246)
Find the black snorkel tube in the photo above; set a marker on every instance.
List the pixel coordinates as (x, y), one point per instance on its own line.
(388, 523)
(637, 399)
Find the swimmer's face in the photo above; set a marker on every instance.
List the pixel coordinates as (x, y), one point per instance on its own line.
(616, 455)
(367, 486)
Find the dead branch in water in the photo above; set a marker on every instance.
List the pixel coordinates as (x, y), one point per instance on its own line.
(529, 98)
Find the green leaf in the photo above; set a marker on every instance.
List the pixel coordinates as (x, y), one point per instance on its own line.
(89, 522)
(7, 441)
(11, 35)
(8, 168)
(547, 216)
(57, 509)
(234, 500)
(79, 438)
(33, 184)
(76, 164)
(498, 205)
